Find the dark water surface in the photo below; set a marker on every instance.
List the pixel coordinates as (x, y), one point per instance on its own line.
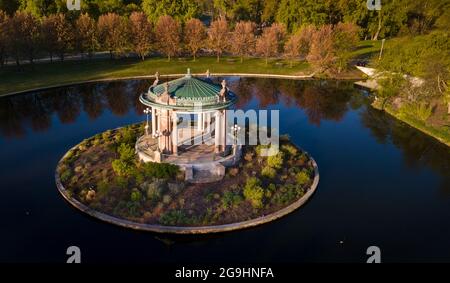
(382, 182)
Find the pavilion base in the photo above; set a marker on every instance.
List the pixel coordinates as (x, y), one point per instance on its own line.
(201, 163)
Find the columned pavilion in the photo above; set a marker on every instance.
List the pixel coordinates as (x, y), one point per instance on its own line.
(203, 139)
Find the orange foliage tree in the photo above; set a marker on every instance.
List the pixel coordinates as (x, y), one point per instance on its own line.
(168, 36)
(194, 36)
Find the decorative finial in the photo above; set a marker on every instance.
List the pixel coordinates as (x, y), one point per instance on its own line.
(188, 73)
(166, 87)
(224, 84)
(208, 74)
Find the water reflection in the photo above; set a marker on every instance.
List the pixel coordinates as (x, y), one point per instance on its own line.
(319, 100)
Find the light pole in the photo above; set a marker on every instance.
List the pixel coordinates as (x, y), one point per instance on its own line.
(157, 135)
(147, 111)
(235, 129)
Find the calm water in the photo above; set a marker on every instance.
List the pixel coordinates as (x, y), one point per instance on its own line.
(382, 183)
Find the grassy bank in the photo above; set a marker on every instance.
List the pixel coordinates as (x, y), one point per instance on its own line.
(48, 74)
(442, 134)
(28, 77)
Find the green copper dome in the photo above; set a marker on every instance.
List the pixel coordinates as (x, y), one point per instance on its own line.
(189, 92)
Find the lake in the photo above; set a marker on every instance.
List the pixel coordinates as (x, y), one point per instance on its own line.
(382, 183)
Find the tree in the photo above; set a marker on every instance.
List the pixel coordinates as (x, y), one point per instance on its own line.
(23, 35)
(345, 37)
(322, 54)
(3, 36)
(218, 36)
(113, 33)
(141, 33)
(194, 36)
(181, 10)
(86, 35)
(292, 48)
(9, 6)
(168, 36)
(268, 44)
(57, 35)
(243, 39)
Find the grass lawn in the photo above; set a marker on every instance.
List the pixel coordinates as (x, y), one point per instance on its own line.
(13, 79)
(48, 74)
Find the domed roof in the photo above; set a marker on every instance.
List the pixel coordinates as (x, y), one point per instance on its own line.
(188, 92)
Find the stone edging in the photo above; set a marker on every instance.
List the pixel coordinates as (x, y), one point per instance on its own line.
(274, 76)
(189, 230)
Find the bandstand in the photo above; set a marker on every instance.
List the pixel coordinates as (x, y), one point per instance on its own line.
(189, 126)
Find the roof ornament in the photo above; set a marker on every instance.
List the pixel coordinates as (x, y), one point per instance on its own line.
(166, 88)
(188, 75)
(208, 74)
(224, 90)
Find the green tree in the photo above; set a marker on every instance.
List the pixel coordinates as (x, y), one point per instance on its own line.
(9, 6)
(253, 192)
(179, 9)
(3, 36)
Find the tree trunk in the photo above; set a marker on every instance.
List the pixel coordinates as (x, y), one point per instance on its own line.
(242, 59)
(168, 58)
(267, 60)
(111, 54)
(218, 58)
(194, 57)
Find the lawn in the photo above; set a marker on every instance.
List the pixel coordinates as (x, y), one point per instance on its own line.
(13, 79)
(49, 74)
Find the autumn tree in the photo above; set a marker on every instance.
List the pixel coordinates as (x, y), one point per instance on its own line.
(243, 39)
(322, 54)
(86, 35)
(3, 36)
(345, 38)
(113, 33)
(141, 33)
(292, 48)
(57, 35)
(194, 36)
(268, 44)
(23, 36)
(168, 36)
(218, 36)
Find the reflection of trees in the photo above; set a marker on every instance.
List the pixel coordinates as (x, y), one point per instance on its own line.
(11, 124)
(117, 98)
(67, 104)
(243, 88)
(92, 100)
(419, 150)
(324, 100)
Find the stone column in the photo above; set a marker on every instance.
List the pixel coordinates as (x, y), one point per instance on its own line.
(223, 130)
(174, 133)
(217, 131)
(200, 121)
(153, 121)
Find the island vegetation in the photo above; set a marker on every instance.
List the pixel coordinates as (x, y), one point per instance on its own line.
(104, 174)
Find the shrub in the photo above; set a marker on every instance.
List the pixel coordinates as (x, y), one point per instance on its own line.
(174, 217)
(253, 192)
(419, 111)
(155, 190)
(122, 168)
(249, 156)
(160, 170)
(276, 161)
(167, 199)
(106, 135)
(136, 196)
(102, 188)
(302, 178)
(290, 149)
(269, 172)
(230, 199)
(66, 175)
(128, 136)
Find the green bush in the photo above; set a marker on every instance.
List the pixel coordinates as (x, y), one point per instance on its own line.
(419, 111)
(302, 178)
(124, 166)
(136, 196)
(290, 149)
(269, 172)
(128, 136)
(66, 175)
(230, 199)
(253, 192)
(174, 217)
(276, 161)
(160, 170)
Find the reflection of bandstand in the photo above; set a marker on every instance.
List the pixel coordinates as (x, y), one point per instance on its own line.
(189, 127)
